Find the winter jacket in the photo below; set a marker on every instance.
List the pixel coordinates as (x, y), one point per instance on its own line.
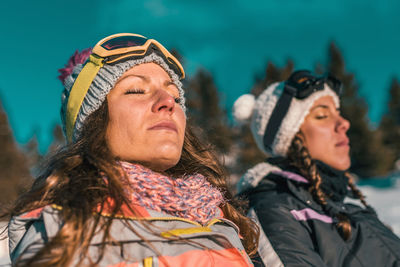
(297, 231)
(214, 244)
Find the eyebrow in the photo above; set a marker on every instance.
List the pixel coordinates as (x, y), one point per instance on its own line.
(145, 78)
(319, 106)
(168, 83)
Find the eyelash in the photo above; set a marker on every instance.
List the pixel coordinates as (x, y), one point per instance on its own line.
(134, 91)
(321, 117)
(140, 91)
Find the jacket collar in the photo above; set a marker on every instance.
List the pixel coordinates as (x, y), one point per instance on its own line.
(254, 175)
(277, 171)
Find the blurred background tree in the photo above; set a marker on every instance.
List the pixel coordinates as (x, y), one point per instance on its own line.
(205, 112)
(14, 164)
(58, 139)
(390, 123)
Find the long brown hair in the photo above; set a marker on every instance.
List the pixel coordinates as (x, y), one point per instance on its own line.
(300, 157)
(72, 179)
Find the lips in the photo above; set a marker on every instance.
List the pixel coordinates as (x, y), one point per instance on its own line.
(164, 125)
(343, 143)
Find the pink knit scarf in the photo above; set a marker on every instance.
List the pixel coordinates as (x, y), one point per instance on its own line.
(191, 197)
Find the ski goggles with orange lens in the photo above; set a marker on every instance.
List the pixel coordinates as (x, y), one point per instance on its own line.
(123, 46)
(111, 50)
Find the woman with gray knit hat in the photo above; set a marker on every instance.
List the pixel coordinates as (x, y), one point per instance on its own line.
(297, 195)
(133, 186)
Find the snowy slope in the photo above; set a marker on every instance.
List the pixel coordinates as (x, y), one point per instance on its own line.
(386, 202)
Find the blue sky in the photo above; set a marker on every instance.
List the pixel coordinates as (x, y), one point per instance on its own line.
(232, 39)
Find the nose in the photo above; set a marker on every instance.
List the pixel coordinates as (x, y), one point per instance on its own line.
(342, 124)
(163, 102)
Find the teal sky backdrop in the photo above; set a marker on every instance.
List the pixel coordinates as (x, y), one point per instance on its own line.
(230, 38)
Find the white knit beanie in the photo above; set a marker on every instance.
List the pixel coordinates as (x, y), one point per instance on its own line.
(258, 112)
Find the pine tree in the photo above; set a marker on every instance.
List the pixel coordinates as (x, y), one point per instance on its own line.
(204, 111)
(58, 139)
(369, 156)
(32, 154)
(35, 158)
(272, 74)
(390, 123)
(14, 169)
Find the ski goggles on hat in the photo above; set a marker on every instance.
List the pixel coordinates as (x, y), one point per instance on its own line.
(112, 50)
(123, 46)
(301, 84)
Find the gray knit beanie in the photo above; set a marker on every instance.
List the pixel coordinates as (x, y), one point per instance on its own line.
(258, 113)
(103, 83)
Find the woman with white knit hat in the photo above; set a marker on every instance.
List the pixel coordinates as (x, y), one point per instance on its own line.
(297, 194)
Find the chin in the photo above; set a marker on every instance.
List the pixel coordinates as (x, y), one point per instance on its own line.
(164, 162)
(163, 165)
(168, 151)
(340, 163)
(342, 166)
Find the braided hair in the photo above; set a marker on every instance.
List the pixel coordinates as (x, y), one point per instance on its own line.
(299, 156)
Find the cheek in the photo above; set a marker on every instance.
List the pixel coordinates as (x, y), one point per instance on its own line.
(126, 113)
(124, 122)
(318, 139)
(181, 123)
(320, 142)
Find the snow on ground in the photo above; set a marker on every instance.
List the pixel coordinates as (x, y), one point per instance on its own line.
(385, 200)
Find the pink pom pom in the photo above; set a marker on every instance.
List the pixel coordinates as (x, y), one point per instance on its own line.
(75, 59)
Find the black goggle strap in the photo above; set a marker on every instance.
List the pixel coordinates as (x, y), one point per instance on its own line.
(335, 84)
(279, 112)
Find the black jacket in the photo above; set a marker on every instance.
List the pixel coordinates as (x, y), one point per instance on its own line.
(297, 231)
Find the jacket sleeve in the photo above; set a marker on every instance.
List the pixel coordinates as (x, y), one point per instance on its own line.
(289, 240)
(30, 243)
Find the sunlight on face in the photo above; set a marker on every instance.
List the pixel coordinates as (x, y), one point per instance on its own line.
(325, 130)
(146, 123)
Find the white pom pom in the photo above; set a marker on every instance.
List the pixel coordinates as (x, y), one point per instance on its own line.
(243, 107)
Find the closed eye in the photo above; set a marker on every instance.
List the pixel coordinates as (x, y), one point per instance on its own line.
(321, 117)
(134, 91)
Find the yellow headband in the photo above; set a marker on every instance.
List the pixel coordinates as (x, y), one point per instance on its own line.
(79, 90)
